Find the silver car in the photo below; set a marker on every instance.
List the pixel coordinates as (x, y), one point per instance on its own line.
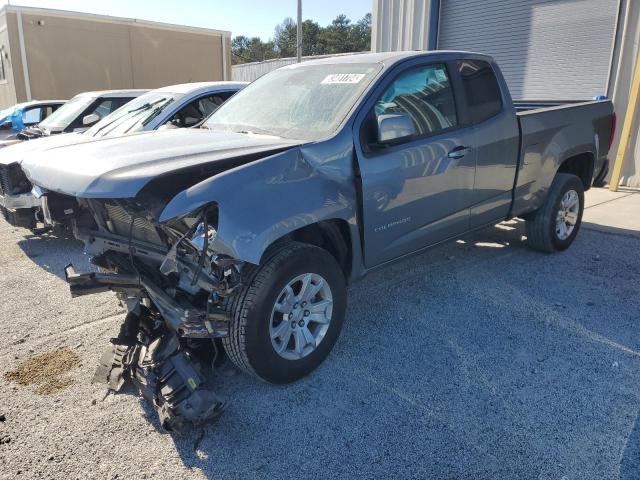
(175, 106)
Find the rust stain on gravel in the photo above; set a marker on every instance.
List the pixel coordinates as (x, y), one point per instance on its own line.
(49, 371)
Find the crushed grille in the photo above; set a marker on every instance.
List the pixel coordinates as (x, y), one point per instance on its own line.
(143, 229)
(13, 180)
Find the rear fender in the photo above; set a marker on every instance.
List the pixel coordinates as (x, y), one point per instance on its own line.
(550, 137)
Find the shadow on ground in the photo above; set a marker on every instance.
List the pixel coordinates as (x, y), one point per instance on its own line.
(52, 251)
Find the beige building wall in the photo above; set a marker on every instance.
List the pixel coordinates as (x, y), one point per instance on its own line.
(7, 88)
(67, 56)
(166, 57)
(68, 53)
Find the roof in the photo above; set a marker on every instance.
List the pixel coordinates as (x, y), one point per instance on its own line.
(185, 88)
(109, 19)
(387, 58)
(113, 93)
(39, 102)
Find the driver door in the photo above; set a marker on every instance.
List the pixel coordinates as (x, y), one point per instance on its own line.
(417, 191)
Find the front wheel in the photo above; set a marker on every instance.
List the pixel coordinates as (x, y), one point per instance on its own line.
(554, 226)
(288, 315)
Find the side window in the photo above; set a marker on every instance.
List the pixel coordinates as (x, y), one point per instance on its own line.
(102, 108)
(187, 116)
(116, 103)
(196, 111)
(108, 105)
(32, 116)
(210, 104)
(481, 89)
(425, 94)
(48, 110)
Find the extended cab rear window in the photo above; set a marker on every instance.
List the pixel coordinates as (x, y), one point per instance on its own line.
(481, 89)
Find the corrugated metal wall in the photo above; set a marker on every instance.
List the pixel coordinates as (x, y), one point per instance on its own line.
(248, 72)
(547, 49)
(401, 25)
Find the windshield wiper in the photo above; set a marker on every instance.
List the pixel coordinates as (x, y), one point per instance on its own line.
(126, 115)
(254, 131)
(151, 116)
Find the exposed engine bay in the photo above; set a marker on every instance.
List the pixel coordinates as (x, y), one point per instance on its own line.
(176, 291)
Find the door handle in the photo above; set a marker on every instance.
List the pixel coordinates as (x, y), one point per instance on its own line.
(458, 152)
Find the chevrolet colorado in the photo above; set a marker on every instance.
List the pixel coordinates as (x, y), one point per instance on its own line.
(249, 228)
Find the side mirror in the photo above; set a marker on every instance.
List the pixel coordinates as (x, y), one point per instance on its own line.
(90, 119)
(393, 127)
(6, 125)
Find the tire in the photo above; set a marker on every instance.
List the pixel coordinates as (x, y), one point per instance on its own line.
(541, 225)
(600, 180)
(249, 344)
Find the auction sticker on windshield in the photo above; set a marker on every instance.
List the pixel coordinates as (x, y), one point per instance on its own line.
(343, 78)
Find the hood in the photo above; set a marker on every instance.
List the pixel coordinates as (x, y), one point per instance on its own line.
(120, 167)
(17, 151)
(7, 142)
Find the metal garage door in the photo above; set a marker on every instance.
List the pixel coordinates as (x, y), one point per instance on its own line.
(547, 49)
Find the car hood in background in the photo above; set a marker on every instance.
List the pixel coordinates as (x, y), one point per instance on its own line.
(16, 152)
(120, 167)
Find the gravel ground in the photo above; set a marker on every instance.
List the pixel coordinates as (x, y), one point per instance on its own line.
(479, 359)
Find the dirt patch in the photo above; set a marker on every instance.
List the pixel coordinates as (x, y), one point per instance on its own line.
(49, 371)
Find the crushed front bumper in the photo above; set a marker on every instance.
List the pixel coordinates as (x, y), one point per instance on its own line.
(17, 204)
(20, 210)
(156, 348)
(186, 322)
(22, 200)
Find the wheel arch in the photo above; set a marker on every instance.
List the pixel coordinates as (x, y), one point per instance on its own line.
(333, 235)
(581, 165)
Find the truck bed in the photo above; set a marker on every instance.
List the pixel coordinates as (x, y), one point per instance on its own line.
(527, 105)
(551, 133)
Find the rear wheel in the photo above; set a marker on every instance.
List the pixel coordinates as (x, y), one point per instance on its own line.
(554, 226)
(287, 317)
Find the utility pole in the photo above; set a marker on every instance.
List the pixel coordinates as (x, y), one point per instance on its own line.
(299, 32)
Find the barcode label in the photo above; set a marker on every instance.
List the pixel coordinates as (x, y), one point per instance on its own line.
(342, 78)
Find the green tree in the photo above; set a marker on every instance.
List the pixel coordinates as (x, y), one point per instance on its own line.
(245, 49)
(341, 36)
(310, 38)
(335, 37)
(360, 34)
(284, 38)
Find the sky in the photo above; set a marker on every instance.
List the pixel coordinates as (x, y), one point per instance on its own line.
(253, 18)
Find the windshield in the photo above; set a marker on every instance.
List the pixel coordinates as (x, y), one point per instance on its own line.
(133, 116)
(66, 114)
(302, 102)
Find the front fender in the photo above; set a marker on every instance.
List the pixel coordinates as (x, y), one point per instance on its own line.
(262, 201)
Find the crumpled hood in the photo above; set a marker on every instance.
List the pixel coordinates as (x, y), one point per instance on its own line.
(15, 153)
(120, 167)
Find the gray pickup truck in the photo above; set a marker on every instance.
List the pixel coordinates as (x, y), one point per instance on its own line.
(249, 228)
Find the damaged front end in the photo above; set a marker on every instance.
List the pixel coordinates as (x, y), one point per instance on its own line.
(176, 290)
(17, 205)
